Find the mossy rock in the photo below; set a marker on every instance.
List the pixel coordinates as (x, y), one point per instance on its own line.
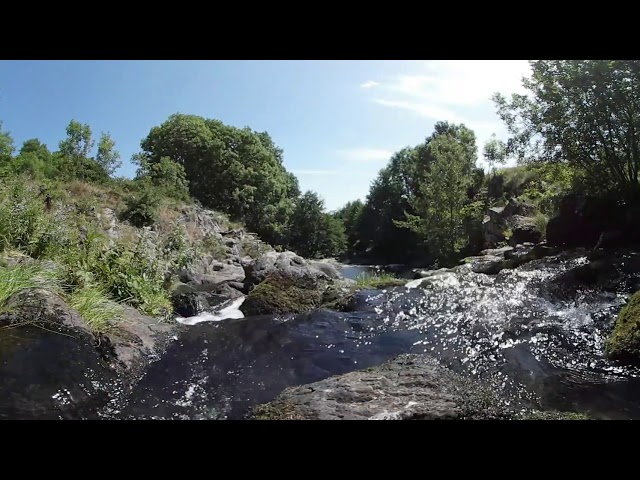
(553, 415)
(624, 343)
(345, 303)
(280, 294)
(280, 411)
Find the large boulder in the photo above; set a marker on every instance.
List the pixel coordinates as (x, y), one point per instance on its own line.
(409, 387)
(53, 366)
(582, 220)
(524, 230)
(282, 293)
(285, 264)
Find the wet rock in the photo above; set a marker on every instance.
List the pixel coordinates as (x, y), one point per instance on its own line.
(487, 264)
(410, 387)
(189, 304)
(36, 313)
(610, 239)
(624, 343)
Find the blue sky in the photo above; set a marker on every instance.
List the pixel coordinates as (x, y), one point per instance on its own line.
(337, 121)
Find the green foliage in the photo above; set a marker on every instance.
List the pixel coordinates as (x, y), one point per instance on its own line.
(378, 281)
(214, 246)
(495, 152)
(25, 224)
(99, 312)
(237, 171)
(253, 247)
(107, 156)
(541, 221)
(6, 144)
(25, 276)
(624, 343)
(166, 175)
(312, 232)
(582, 112)
(141, 208)
(350, 216)
(441, 196)
(133, 276)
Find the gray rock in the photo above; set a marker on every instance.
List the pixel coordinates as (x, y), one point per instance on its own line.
(487, 264)
(286, 264)
(409, 387)
(524, 230)
(218, 273)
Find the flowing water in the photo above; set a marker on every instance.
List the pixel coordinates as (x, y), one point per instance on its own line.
(531, 333)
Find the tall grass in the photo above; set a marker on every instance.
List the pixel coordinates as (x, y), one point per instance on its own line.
(98, 311)
(26, 276)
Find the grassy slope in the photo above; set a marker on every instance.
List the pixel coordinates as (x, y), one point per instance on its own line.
(95, 273)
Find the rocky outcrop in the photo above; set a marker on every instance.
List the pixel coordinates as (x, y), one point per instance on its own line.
(591, 222)
(285, 264)
(410, 387)
(493, 261)
(287, 283)
(516, 216)
(524, 230)
(126, 348)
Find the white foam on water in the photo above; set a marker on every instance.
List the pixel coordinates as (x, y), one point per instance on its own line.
(230, 311)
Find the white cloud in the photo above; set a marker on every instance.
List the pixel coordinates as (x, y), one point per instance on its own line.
(369, 84)
(457, 91)
(365, 154)
(315, 172)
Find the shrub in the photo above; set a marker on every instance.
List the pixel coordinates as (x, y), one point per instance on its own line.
(141, 208)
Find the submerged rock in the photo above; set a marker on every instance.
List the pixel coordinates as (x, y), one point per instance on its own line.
(409, 387)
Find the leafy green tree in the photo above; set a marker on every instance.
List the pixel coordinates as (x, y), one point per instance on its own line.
(583, 112)
(312, 232)
(495, 153)
(37, 148)
(350, 215)
(237, 171)
(439, 217)
(108, 157)
(166, 175)
(78, 143)
(6, 143)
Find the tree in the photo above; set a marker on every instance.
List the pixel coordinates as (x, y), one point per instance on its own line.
(312, 232)
(350, 215)
(439, 217)
(583, 112)
(167, 176)
(37, 148)
(495, 152)
(78, 143)
(108, 157)
(237, 171)
(6, 143)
